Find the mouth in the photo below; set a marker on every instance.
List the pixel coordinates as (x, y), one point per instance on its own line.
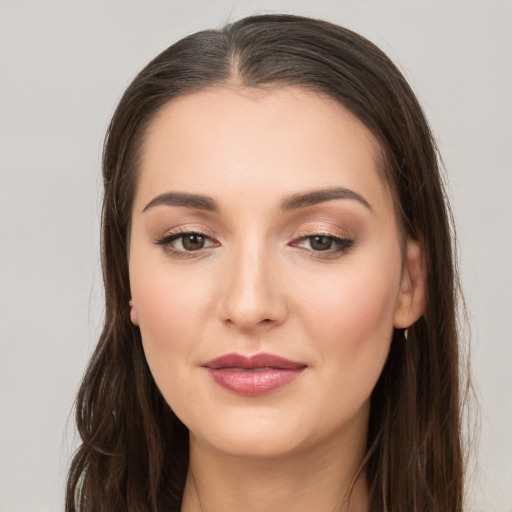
(252, 376)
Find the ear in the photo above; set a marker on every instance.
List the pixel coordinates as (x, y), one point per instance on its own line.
(133, 314)
(411, 299)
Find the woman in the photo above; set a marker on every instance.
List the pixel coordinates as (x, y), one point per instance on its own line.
(280, 327)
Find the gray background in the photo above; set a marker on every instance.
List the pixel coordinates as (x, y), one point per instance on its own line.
(64, 65)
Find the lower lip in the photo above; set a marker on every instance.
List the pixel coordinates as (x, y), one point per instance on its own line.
(253, 382)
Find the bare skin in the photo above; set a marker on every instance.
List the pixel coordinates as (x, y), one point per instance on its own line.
(302, 482)
(262, 225)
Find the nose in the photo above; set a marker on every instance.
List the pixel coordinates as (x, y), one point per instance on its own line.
(253, 296)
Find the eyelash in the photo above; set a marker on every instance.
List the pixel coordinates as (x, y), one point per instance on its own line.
(343, 245)
(167, 240)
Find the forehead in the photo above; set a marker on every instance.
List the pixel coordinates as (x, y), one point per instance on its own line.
(244, 141)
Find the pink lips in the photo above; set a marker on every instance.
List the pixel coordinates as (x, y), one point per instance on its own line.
(255, 375)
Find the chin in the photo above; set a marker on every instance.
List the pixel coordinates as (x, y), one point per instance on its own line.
(252, 436)
(253, 445)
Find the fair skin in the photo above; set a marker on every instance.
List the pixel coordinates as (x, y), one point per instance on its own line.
(253, 279)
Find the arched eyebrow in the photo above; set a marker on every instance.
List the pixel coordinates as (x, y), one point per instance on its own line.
(197, 201)
(293, 202)
(313, 197)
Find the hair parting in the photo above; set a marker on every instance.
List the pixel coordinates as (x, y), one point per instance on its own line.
(134, 451)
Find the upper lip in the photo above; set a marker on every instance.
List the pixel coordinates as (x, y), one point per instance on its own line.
(252, 362)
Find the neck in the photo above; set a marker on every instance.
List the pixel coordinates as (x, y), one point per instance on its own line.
(321, 479)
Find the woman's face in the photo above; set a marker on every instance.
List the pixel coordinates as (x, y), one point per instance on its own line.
(262, 227)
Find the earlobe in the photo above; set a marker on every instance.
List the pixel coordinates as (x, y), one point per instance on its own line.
(411, 299)
(133, 313)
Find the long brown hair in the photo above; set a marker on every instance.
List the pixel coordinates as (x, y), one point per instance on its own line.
(134, 451)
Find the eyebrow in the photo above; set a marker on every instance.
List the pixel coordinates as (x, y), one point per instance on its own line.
(293, 202)
(183, 199)
(302, 200)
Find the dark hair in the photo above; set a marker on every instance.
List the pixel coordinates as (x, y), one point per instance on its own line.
(134, 451)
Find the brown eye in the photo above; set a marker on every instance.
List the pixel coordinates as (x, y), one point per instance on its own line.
(185, 242)
(192, 242)
(321, 243)
(331, 245)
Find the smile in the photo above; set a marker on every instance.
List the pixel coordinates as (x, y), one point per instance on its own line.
(253, 376)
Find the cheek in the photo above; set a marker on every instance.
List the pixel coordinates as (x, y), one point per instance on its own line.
(351, 302)
(171, 308)
(351, 324)
(165, 307)
(168, 325)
